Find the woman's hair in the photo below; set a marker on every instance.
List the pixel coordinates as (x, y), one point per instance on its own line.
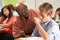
(45, 6)
(11, 6)
(10, 13)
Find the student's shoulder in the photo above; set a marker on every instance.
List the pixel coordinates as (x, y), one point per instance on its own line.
(52, 22)
(34, 10)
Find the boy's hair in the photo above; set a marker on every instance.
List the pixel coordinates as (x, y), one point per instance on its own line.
(45, 6)
(58, 9)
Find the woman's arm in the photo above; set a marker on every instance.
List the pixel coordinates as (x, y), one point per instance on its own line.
(3, 25)
(10, 22)
(42, 32)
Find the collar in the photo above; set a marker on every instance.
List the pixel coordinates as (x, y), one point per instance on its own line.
(46, 21)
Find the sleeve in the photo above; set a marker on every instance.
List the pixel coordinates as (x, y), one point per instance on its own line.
(35, 33)
(35, 13)
(54, 32)
(11, 21)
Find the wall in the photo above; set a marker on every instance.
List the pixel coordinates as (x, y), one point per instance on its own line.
(0, 4)
(30, 3)
(35, 3)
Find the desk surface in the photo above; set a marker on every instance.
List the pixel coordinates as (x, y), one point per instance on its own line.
(31, 38)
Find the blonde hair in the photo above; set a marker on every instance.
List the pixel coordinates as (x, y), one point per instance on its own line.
(45, 6)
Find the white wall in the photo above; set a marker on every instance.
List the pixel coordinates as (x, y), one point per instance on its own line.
(30, 3)
(55, 3)
(0, 4)
(35, 3)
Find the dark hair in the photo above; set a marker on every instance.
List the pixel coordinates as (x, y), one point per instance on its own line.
(58, 9)
(45, 6)
(10, 13)
(6, 36)
(11, 6)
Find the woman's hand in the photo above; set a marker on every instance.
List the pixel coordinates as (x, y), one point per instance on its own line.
(5, 21)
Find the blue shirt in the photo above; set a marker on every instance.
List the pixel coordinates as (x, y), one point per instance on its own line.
(51, 27)
(15, 13)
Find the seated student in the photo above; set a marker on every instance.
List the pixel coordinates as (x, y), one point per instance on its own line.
(58, 16)
(7, 20)
(45, 26)
(5, 36)
(24, 22)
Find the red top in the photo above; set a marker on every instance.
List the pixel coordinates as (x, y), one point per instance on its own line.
(9, 28)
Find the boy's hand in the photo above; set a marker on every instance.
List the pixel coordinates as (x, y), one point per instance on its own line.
(36, 20)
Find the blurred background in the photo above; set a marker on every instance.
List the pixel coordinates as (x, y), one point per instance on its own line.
(30, 3)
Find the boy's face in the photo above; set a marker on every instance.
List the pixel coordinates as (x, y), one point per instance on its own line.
(43, 16)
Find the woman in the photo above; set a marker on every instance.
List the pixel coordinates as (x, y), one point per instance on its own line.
(7, 19)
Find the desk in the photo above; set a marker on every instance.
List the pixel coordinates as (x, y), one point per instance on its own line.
(31, 38)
